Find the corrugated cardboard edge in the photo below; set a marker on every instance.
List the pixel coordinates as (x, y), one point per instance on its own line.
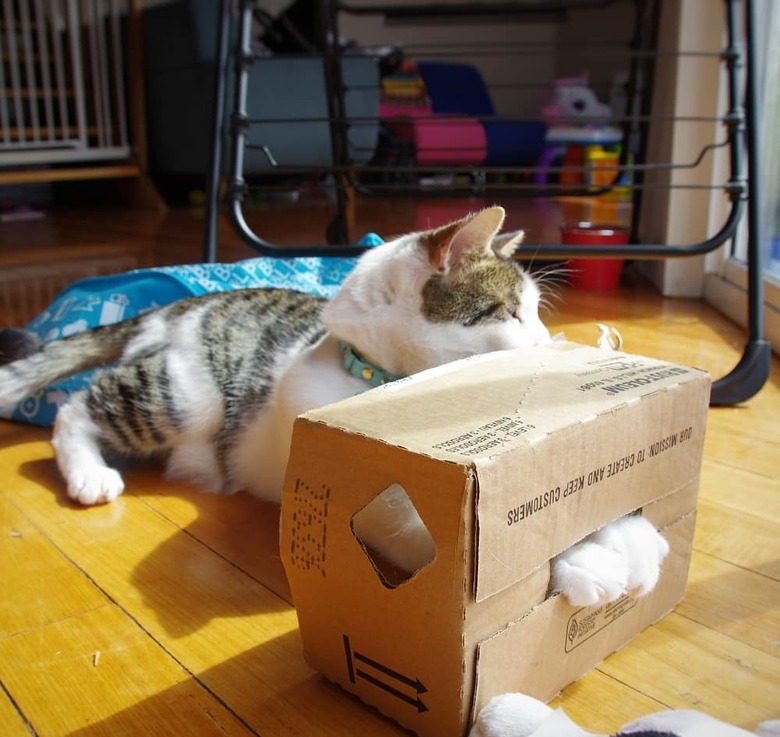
(550, 630)
(341, 594)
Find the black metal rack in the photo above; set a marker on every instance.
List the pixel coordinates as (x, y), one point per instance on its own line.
(739, 122)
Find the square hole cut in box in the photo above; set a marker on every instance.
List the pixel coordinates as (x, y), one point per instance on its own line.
(393, 536)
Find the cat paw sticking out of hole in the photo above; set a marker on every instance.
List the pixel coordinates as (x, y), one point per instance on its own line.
(623, 557)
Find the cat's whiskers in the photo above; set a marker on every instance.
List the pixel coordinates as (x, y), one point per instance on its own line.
(550, 279)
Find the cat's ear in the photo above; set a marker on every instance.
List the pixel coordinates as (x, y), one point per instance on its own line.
(506, 244)
(447, 245)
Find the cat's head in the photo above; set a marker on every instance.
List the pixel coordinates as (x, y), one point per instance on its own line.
(432, 297)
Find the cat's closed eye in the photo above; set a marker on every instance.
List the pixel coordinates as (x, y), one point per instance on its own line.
(492, 311)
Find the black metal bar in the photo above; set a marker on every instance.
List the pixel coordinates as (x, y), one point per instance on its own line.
(644, 250)
(437, 10)
(330, 49)
(751, 373)
(214, 175)
(265, 248)
(236, 186)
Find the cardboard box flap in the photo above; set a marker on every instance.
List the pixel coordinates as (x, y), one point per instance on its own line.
(513, 415)
(492, 403)
(360, 629)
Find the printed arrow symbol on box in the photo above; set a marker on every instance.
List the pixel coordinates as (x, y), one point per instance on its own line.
(355, 672)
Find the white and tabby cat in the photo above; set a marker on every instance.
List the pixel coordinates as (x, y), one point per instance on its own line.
(215, 382)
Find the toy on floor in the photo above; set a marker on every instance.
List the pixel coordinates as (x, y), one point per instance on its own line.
(571, 101)
(517, 715)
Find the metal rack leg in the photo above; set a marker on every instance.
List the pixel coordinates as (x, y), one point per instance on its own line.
(209, 254)
(752, 371)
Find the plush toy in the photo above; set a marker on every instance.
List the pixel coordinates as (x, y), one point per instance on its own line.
(571, 101)
(517, 715)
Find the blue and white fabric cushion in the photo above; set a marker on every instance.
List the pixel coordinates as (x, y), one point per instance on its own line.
(102, 300)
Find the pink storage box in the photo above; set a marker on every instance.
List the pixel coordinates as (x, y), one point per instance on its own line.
(438, 139)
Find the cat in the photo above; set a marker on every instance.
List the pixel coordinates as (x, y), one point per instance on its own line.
(215, 382)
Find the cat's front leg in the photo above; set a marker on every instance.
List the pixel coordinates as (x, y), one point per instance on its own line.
(88, 478)
(622, 557)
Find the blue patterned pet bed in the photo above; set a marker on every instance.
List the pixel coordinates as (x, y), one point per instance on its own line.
(103, 300)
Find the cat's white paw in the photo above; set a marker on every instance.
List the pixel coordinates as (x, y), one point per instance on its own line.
(622, 557)
(89, 480)
(643, 547)
(589, 573)
(98, 485)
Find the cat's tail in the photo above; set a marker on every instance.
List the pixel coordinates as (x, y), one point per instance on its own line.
(27, 365)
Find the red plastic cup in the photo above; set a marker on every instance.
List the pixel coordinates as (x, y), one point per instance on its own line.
(594, 273)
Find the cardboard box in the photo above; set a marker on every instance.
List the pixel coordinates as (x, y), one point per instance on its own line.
(509, 458)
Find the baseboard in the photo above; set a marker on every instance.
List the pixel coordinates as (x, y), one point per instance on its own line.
(727, 292)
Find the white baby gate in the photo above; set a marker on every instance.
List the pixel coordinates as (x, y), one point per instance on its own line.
(62, 81)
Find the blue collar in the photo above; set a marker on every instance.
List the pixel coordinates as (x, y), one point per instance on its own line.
(358, 366)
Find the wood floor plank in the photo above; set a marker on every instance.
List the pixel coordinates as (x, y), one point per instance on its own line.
(745, 437)
(601, 703)
(682, 331)
(736, 602)
(742, 538)
(741, 489)
(232, 632)
(12, 721)
(731, 681)
(743, 447)
(239, 527)
(25, 556)
(99, 675)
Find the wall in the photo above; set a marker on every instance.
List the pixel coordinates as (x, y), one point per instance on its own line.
(684, 86)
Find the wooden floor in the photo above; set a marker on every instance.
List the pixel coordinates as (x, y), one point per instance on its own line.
(166, 612)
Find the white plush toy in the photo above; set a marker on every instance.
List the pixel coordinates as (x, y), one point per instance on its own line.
(517, 715)
(571, 101)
